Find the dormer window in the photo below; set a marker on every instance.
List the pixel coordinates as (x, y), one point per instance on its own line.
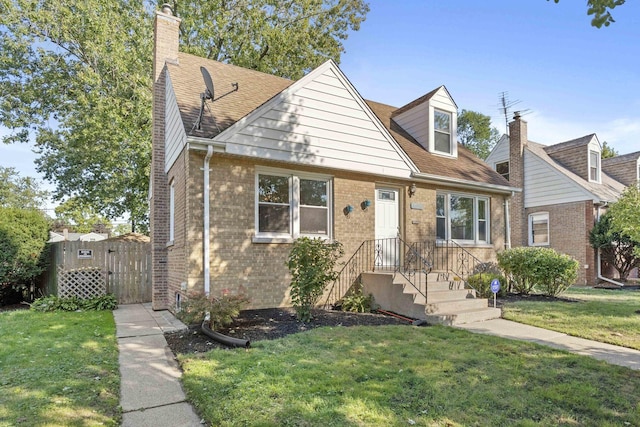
(594, 166)
(442, 131)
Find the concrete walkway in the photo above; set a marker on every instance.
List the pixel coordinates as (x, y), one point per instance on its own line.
(150, 389)
(507, 329)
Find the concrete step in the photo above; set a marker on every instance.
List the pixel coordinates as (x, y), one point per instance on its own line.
(456, 305)
(464, 316)
(448, 295)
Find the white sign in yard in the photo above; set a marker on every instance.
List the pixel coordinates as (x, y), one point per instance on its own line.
(85, 253)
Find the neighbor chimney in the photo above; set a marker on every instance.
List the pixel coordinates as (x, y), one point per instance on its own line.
(517, 142)
(165, 50)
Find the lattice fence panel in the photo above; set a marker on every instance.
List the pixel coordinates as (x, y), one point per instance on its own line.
(83, 283)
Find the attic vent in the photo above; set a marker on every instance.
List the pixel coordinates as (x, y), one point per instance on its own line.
(209, 93)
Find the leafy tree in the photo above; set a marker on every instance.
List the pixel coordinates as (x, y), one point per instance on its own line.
(615, 248)
(82, 217)
(23, 237)
(608, 151)
(625, 215)
(600, 9)
(20, 192)
(77, 75)
(475, 132)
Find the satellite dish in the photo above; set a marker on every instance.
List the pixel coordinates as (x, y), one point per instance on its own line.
(208, 82)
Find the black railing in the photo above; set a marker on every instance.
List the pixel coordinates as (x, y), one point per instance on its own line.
(392, 255)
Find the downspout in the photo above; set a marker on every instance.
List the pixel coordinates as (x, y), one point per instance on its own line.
(205, 232)
(507, 223)
(600, 276)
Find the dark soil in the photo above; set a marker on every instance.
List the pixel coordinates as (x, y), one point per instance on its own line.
(269, 324)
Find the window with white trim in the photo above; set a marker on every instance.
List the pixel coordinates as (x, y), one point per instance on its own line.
(442, 131)
(539, 229)
(594, 166)
(172, 210)
(290, 205)
(461, 217)
(503, 169)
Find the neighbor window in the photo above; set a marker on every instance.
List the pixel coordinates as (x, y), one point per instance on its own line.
(292, 205)
(539, 229)
(503, 169)
(442, 131)
(594, 166)
(464, 218)
(172, 210)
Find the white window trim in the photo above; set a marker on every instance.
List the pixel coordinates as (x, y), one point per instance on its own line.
(508, 162)
(530, 228)
(598, 168)
(476, 231)
(172, 211)
(453, 132)
(294, 205)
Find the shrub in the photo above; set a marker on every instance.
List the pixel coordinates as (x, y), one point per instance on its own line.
(23, 237)
(542, 269)
(357, 302)
(311, 263)
(55, 303)
(221, 310)
(481, 282)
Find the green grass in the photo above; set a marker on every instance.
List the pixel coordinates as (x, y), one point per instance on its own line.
(603, 315)
(58, 369)
(403, 375)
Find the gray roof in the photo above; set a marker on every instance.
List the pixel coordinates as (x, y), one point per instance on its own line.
(624, 158)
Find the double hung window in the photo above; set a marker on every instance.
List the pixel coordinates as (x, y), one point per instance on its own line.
(442, 131)
(539, 229)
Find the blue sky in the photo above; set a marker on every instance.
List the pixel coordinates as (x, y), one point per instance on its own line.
(573, 79)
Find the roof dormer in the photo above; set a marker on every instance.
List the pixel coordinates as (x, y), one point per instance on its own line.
(431, 120)
(581, 156)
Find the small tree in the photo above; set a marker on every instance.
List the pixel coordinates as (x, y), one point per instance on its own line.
(23, 237)
(311, 263)
(625, 217)
(615, 248)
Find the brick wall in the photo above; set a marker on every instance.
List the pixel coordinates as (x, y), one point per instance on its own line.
(569, 226)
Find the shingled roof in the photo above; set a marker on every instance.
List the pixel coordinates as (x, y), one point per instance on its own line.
(256, 88)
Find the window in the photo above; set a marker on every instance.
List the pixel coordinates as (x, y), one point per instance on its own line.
(539, 229)
(292, 205)
(462, 217)
(442, 131)
(172, 210)
(503, 169)
(594, 166)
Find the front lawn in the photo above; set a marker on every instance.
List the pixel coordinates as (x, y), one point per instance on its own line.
(611, 316)
(404, 375)
(58, 369)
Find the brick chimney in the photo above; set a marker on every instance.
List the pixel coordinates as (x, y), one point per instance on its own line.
(518, 140)
(165, 49)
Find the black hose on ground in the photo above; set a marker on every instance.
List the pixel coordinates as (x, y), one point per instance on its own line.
(224, 339)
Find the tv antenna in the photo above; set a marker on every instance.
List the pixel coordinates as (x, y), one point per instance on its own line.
(209, 94)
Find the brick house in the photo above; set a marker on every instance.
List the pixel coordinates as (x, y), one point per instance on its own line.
(269, 160)
(565, 187)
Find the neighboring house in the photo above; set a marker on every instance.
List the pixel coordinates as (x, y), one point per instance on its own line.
(65, 236)
(565, 188)
(273, 160)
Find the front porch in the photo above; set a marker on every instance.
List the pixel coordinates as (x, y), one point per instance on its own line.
(422, 280)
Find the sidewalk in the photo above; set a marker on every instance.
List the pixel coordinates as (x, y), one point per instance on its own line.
(150, 389)
(507, 329)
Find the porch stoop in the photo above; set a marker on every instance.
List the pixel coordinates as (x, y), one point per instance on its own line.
(447, 302)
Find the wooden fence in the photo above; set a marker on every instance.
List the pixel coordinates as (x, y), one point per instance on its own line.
(91, 268)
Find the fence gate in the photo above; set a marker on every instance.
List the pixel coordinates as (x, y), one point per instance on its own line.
(87, 269)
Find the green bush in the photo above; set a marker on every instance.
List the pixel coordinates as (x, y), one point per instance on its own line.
(55, 303)
(540, 269)
(481, 282)
(23, 238)
(311, 263)
(221, 310)
(357, 302)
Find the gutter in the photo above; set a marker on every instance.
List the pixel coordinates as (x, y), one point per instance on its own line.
(205, 231)
(471, 185)
(600, 276)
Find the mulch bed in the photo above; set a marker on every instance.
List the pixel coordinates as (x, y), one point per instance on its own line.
(269, 324)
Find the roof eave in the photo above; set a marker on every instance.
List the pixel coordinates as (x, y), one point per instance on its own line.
(463, 183)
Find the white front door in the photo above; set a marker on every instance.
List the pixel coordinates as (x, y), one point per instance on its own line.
(387, 226)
